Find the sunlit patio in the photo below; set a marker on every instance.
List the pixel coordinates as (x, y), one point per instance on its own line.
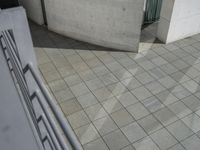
(122, 100)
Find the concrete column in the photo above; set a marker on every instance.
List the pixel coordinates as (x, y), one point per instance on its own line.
(179, 19)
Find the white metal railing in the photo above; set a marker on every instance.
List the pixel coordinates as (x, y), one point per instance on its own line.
(51, 138)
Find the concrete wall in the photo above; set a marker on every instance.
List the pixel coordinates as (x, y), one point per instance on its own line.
(110, 23)
(33, 10)
(179, 19)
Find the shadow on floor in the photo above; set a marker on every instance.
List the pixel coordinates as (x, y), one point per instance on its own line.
(47, 39)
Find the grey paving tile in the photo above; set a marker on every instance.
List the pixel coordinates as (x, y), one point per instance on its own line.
(105, 125)
(63, 95)
(108, 79)
(57, 85)
(145, 144)
(72, 79)
(131, 83)
(192, 102)
(141, 93)
(78, 119)
(137, 110)
(87, 134)
(163, 139)
(166, 97)
(165, 116)
(127, 99)
(95, 112)
(179, 130)
(155, 87)
(168, 82)
(79, 89)
(71, 106)
(179, 109)
(144, 78)
(150, 124)
(191, 143)
(122, 74)
(152, 104)
(133, 132)
(87, 100)
(94, 84)
(177, 147)
(116, 140)
(102, 94)
(111, 105)
(122, 117)
(97, 145)
(117, 88)
(192, 121)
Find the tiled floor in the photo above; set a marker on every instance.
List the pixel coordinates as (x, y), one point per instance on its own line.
(121, 100)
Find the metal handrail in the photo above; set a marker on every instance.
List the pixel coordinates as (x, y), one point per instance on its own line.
(62, 122)
(56, 140)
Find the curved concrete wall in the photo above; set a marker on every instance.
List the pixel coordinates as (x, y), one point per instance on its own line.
(110, 23)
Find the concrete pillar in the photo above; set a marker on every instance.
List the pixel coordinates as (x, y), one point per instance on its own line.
(179, 19)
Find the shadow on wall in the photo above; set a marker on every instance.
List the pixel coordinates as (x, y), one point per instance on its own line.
(42, 37)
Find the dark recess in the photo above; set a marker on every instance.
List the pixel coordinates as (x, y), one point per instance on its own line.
(8, 3)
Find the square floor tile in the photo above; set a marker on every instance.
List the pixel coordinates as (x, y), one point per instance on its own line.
(78, 119)
(97, 145)
(87, 75)
(144, 78)
(114, 66)
(111, 105)
(117, 89)
(145, 144)
(102, 94)
(155, 87)
(127, 99)
(95, 112)
(157, 73)
(180, 92)
(57, 85)
(147, 65)
(133, 132)
(87, 100)
(179, 64)
(105, 125)
(131, 83)
(87, 133)
(94, 84)
(165, 116)
(191, 86)
(122, 117)
(179, 109)
(179, 130)
(129, 147)
(192, 102)
(63, 95)
(191, 143)
(193, 122)
(166, 97)
(71, 106)
(79, 89)
(177, 147)
(168, 82)
(150, 124)
(163, 139)
(73, 79)
(152, 104)
(168, 68)
(137, 110)
(180, 77)
(122, 74)
(116, 140)
(141, 93)
(108, 79)
(159, 61)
